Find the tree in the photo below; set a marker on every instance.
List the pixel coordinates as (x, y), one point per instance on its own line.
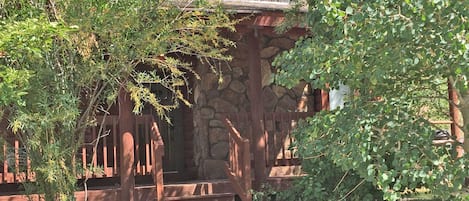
(62, 62)
(397, 58)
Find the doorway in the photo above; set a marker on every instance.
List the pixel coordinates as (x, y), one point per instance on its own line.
(172, 132)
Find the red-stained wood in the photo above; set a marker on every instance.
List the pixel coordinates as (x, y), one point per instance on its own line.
(5, 169)
(114, 147)
(83, 157)
(17, 161)
(257, 108)
(94, 158)
(157, 161)
(137, 146)
(17, 168)
(194, 190)
(147, 149)
(8, 177)
(267, 19)
(238, 169)
(29, 173)
(324, 100)
(278, 127)
(126, 146)
(266, 23)
(107, 173)
(270, 19)
(107, 149)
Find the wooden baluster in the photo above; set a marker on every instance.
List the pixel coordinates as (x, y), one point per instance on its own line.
(83, 157)
(147, 130)
(114, 145)
(247, 169)
(16, 174)
(137, 142)
(232, 153)
(105, 160)
(275, 140)
(291, 118)
(293, 140)
(5, 165)
(28, 169)
(283, 126)
(236, 162)
(94, 158)
(267, 142)
(8, 175)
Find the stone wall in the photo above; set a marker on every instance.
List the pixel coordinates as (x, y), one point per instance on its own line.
(216, 95)
(277, 98)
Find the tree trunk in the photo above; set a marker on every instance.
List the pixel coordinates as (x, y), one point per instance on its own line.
(464, 109)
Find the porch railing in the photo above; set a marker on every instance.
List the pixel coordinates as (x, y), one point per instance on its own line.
(238, 169)
(278, 127)
(14, 164)
(277, 130)
(105, 160)
(97, 161)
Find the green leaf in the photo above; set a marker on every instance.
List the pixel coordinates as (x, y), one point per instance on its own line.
(349, 10)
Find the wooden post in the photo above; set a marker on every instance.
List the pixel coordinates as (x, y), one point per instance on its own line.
(126, 121)
(247, 169)
(456, 118)
(157, 161)
(324, 100)
(257, 109)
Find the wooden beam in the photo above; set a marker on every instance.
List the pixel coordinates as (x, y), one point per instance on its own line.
(268, 19)
(266, 22)
(257, 109)
(127, 155)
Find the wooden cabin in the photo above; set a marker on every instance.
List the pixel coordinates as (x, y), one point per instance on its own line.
(234, 138)
(208, 151)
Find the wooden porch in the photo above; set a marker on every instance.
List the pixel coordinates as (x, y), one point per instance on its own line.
(102, 164)
(213, 190)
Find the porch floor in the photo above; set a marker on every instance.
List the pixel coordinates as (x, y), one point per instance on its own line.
(208, 190)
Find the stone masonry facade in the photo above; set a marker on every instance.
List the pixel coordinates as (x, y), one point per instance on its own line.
(216, 95)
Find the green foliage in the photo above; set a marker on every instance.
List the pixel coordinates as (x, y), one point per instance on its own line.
(328, 182)
(391, 151)
(396, 56)
(266, 193)
(14, 85)
(62, 62)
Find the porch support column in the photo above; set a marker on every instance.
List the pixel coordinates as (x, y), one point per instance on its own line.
(324, 100)
(126, 146)
(456, 118)
(257, 109)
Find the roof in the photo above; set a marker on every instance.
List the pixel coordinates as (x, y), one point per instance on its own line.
(253, 5)
(245, 6)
